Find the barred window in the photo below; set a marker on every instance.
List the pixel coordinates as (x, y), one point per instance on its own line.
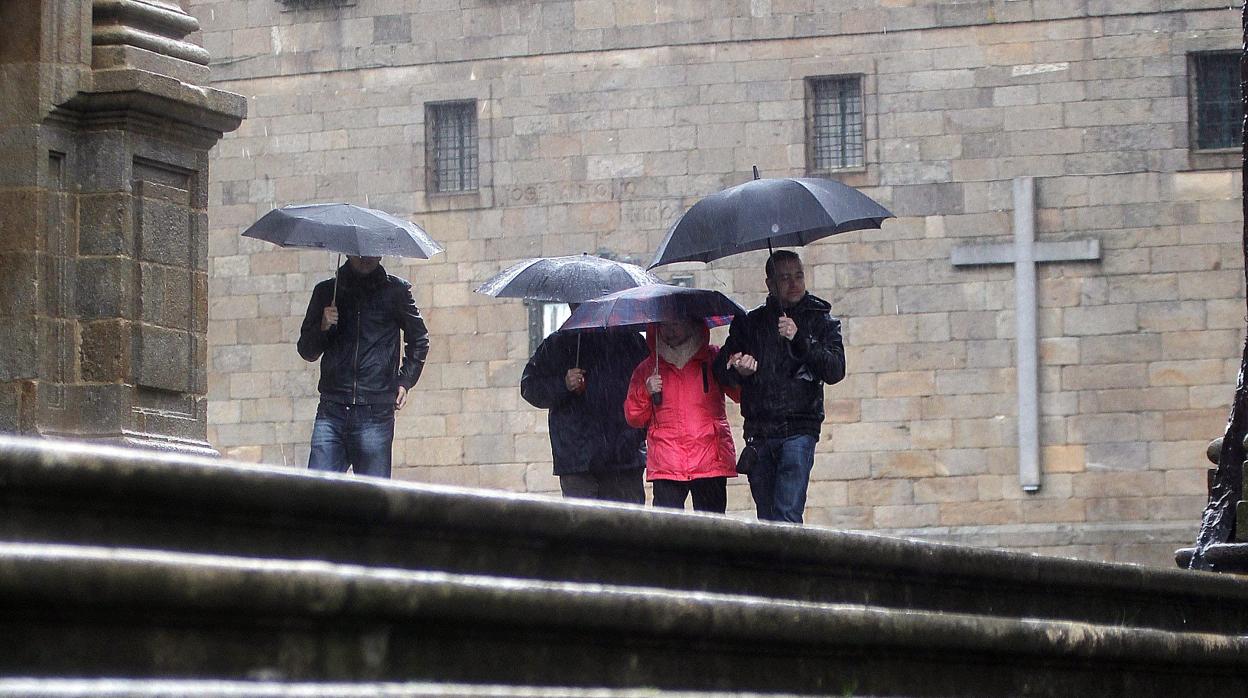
(834, 123)
(452, 146)
(1218, 112)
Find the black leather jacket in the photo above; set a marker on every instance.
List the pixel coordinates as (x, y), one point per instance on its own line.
(587, 432)
(785, 396)
(360, 355)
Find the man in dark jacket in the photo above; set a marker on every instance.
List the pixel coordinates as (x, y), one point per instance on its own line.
(781, 354)
(582, 379)
(363, 382)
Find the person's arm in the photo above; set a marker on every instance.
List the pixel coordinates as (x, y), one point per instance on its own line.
(543, 383)
(735, 344)
(638, 408)
(312, 339)
(415, 340)
(820, 348)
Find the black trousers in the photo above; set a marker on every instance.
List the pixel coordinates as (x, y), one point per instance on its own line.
(627, 485)
(709, 494)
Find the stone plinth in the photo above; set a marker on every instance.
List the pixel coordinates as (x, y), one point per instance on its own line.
(104, 141)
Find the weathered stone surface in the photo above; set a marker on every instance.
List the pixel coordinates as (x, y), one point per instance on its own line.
(232, 586)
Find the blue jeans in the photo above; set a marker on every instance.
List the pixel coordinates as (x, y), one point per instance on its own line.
(355, 436)
(778, 479)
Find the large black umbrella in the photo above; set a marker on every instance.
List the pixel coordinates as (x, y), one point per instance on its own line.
(570, 279)
(344, 228)
(766, 213)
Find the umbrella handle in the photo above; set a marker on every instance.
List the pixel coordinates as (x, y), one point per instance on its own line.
(769, 252)
(334, 302)
(656, 398)
(578, 350)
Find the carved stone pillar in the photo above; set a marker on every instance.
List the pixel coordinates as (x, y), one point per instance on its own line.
(103, 205)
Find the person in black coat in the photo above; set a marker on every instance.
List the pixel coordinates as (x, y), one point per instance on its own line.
(582, 379)
(352, 326)
(781, 354)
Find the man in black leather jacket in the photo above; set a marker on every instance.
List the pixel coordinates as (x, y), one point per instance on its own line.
(363, 382)
(582, 379)
(781, 354)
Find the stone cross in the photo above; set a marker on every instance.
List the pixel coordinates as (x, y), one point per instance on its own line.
(1025, 253)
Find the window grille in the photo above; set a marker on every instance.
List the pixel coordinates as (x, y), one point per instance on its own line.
(452, 146)
(1219, 112)
(835, 123)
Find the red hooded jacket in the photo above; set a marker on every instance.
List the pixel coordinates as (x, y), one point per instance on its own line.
(688, 435)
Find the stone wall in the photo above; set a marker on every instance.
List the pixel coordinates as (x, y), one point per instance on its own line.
(601, 121)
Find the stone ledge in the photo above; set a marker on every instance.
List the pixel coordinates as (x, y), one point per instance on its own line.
(1224, 557)
(91, 495)
(123, 91)
(79, 609)
(156, 688)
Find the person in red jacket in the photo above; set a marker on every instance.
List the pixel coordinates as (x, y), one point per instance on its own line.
(689, 445)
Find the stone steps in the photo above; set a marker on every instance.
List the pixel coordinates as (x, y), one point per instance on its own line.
(71, 494)
(80, 611)
(118, 566)
(173, 688)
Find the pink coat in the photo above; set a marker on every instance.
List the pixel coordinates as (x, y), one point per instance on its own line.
(688, 435)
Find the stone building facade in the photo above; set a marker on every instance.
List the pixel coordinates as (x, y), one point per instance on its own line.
(597, 122)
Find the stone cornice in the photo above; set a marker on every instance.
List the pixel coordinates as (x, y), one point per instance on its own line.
(141, 98)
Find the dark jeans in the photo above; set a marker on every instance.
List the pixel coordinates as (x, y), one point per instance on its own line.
(355, 436)
(611, 485)
(709, 494)
(779, 477)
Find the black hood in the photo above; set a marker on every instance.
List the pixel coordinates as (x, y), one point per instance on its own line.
(349, 279)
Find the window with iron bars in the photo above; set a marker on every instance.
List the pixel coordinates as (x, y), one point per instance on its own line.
(1218, 113)
(452, 146)
(834, 134)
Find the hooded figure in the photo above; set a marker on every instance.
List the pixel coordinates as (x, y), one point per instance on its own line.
(582, 378)
(689, 443)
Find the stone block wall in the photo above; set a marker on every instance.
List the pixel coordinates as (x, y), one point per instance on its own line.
(601, 121)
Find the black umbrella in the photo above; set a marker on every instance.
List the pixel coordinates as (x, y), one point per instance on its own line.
(571, 279)
(763, 213)
(344, 228)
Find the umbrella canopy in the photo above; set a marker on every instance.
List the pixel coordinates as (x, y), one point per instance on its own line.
(571, 279)
(763, 213)
(656, 303)
(345, 228)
